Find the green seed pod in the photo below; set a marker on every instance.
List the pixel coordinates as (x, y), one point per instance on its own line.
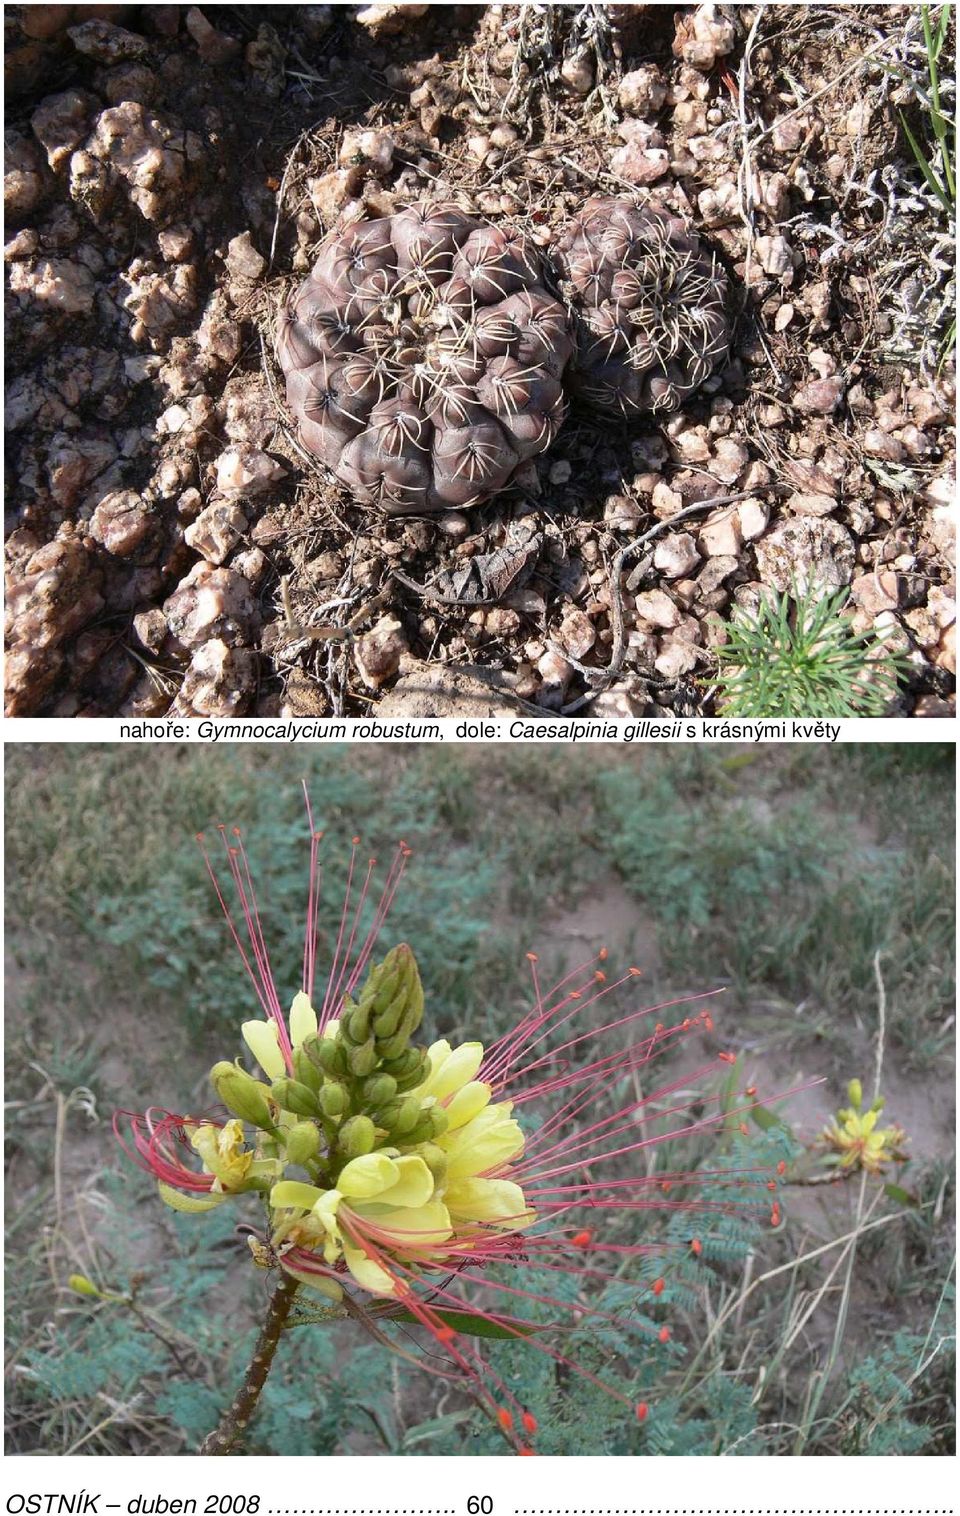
(356, 1137)
(334, 1100)
(363, 1060)
(242, 1095)
(388, 986)
(435, 1159)
(303, 1142)
(290, 1095)
(855, 1094)
(306, 1071)
(377, 1091)
(326, 1054)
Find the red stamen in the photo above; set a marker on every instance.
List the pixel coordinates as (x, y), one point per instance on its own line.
(643, 1410)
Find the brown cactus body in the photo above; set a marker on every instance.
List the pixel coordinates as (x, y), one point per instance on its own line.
(423, 359)
(649, 305)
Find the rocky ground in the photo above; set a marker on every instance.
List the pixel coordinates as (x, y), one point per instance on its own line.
(169, 175)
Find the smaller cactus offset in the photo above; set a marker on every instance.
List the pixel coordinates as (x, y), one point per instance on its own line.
(424, 358)
(649, 302)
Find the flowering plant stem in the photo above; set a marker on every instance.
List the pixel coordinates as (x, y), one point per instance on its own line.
(233, 1422)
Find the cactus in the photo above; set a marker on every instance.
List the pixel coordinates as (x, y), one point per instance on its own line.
(648, 301)
(423, 359)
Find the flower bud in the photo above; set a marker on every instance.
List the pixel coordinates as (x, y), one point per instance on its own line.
(855, 1094)
(389, 1047)
(422, 1132)
(242, 1095)
(411, 1080)
(378, 1090)
(327, 1055)
(387, 1022)
(290, 1095)
(435, 1159)
(363, 1060)
(334, 1100)
(356, 1024)
(439, 1120)
(407, 1116)
(405, 1063)
(357, 1137)
(81, 1285)
(303, 1142)
(306, 1071)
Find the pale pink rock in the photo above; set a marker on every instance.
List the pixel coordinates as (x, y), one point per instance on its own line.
(212, 602)
(57, 283)
(665, 501)
(388, 19)
(812, 504)
(720, 535)
(876, 592)
(212, 45)
(156, 160)
(577, 633)
(242, 260)
(61, 122)
(554, 670)
(730, 458)
(501, 621)
(58, 594)
(808, 552)
(775, 255)
(656, 608)
(638, 164)
(675, 658)
(642, 91)
(127, 526)
(676, 555)
(754, 516)
(217, 530)
(246, 471)
(221, 681)
(820, 397)
(378, 653)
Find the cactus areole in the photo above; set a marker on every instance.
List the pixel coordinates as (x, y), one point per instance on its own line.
(423, 359)
(649, 304)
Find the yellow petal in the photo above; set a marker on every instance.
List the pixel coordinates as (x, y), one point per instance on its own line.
(499, 1201)
(414, 1183)
(413, 1227)
(303, 1019)
(328, 1287)
(450, 1073)
(192, 1204)
(369, 1275)
(369, 1175)
(466, 1104)
(326, 1209)
(487, 1142)
(262, 1039)
(292, 1192)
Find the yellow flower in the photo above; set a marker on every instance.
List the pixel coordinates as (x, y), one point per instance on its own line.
(859, 1143)
(392, 1207)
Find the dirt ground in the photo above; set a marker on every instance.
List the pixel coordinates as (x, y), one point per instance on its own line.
(170, 176)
